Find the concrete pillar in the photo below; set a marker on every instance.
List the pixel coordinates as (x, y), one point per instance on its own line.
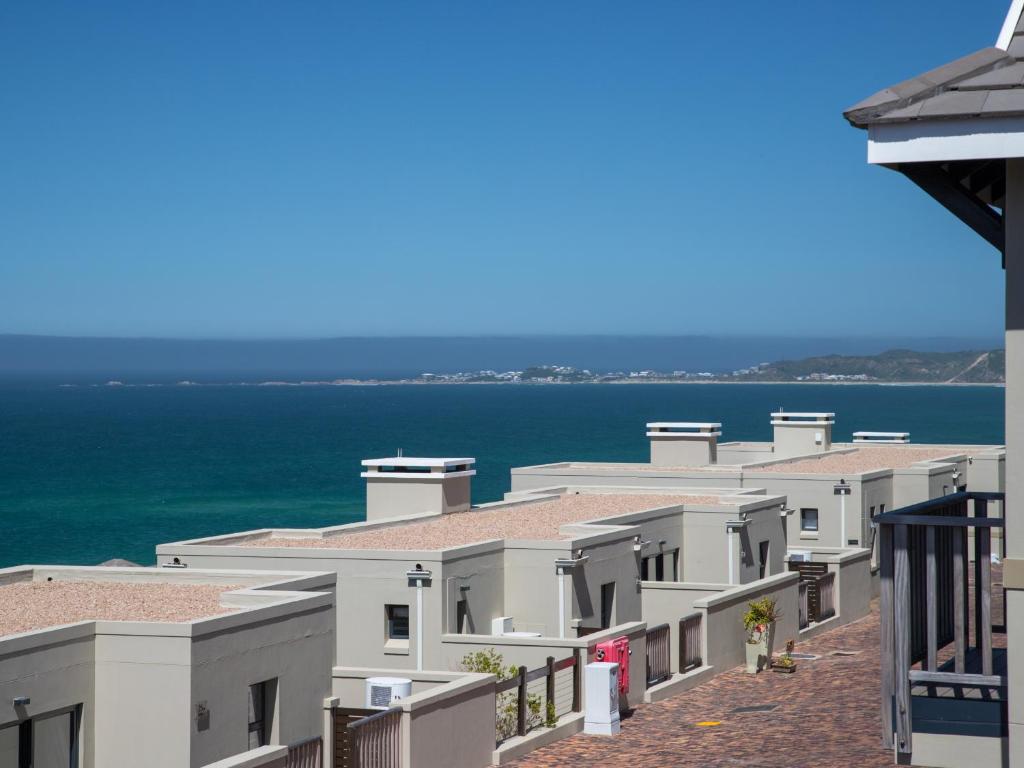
(1014, 571)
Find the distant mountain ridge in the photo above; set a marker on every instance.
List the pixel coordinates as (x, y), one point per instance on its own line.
(896, 365)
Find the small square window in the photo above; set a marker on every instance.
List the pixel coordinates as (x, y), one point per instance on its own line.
(809, 520)
(397, 621)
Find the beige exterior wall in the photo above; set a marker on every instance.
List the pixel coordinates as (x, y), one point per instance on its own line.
(388, 497)
(138, 682)
(724, 636)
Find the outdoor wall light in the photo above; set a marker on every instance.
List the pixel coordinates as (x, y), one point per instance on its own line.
(22, 701)
(638, 545)
(418, 574)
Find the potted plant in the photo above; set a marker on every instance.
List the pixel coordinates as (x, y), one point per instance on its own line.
(759, 623)
(785, 663)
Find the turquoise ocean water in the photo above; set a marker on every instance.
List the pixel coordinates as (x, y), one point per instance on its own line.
(90, 473)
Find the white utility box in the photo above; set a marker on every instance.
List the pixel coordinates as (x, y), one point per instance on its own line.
(601, 684)
(382, 692)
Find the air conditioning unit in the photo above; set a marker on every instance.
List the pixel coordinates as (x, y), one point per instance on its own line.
(382, 692)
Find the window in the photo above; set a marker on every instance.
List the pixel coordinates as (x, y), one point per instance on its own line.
(261, 712)
(644, 569)
(397, 621)
(42, 742)
(659, 567)
(461, 617)
(881, 509)
(675, 565)
(809, 520)
(257, 716)
(607, 604)
(763, 552)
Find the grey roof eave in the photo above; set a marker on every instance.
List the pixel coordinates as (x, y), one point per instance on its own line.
(902, 95)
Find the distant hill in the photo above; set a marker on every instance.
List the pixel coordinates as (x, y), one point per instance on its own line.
(896, 365)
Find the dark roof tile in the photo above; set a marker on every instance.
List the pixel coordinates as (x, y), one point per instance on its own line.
(878, 108)
(1004, 77)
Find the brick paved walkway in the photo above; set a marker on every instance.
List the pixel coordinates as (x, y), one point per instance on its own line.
(827, 715)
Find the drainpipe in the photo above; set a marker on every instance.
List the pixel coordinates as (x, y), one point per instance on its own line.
(418, 576)
(842, 489)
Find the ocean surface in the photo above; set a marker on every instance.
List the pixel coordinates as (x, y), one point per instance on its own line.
(92, 473)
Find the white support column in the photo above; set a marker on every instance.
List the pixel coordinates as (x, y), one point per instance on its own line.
(1014, 531)
(728, 541)
(419, 625)
(842, 521)
(561, 603)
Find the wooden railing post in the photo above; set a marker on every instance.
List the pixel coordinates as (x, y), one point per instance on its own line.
(901, 665)
(577, 681)
(959, 602)
(886, 650)
(550, 699)
(521, 709)
(931, 604)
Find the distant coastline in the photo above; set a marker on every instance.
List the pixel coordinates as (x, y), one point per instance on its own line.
(419, 383)
(891, 368)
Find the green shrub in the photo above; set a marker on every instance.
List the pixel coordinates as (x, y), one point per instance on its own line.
(506, 710)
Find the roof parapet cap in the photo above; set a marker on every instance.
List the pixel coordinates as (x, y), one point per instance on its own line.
(793, 417)
(406, 466)
(881, 437)
(684, 429)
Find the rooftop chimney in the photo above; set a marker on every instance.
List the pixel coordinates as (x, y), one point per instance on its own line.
(402, 485)
(683, 443)
(898, 438)
(798, 434)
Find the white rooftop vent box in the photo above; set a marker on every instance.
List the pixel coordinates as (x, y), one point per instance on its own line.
(684, 443)
(897, 438)
(382, 692)
(799, 555)
(400, 486)
(800, 433)
(501, 625)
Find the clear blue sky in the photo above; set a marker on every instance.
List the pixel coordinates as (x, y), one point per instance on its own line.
(234, 169)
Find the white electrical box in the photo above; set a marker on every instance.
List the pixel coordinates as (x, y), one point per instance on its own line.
(602, 698)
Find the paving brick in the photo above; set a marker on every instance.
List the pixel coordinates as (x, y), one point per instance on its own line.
(827, 715)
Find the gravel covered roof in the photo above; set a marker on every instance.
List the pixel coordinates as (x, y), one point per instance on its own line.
(861, 460)
(538, 520)
(30, 605)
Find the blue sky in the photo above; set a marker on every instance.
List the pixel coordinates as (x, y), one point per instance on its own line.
(238, 169)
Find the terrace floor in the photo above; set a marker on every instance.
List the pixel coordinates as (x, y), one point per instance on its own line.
(825, 714)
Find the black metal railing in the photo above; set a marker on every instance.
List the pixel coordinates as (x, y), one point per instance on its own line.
(926, 593)
(691, 643)
(659, 654)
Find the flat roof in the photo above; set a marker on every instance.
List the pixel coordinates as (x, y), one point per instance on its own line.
(651, 467)
(33, 605)
(415, 461)
(534, 520)
(864, 458)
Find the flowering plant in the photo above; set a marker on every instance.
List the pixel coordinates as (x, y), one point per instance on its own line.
(758, 619)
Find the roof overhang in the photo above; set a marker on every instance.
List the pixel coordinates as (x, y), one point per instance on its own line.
(924, 141)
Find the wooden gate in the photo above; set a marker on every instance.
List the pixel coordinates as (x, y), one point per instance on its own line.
(809, 573)
(342, 744)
